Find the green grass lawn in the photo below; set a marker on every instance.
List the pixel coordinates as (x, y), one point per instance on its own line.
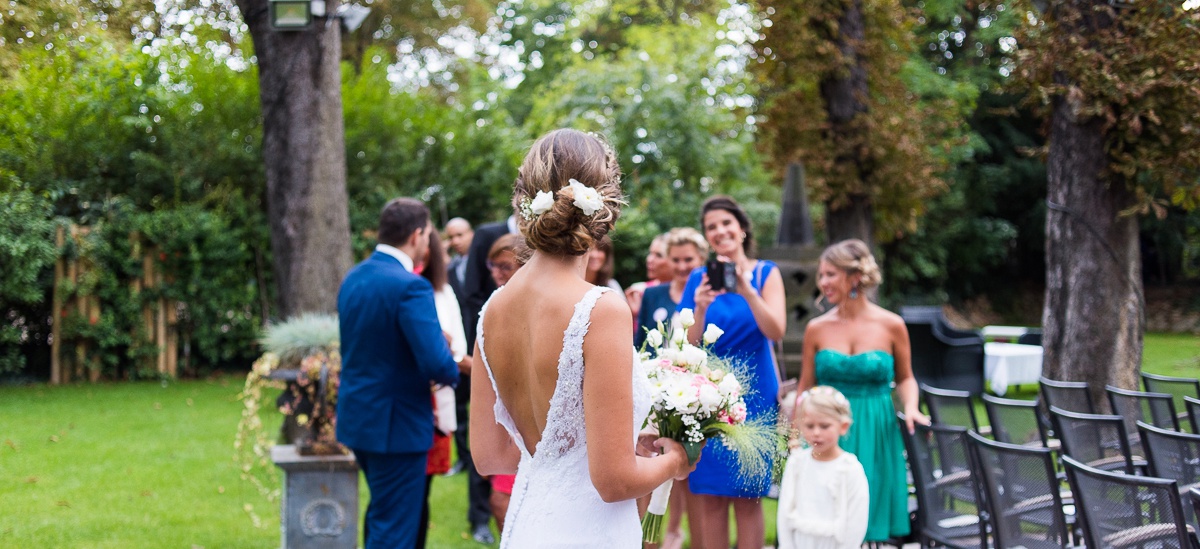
(150, 465)
(135, 465)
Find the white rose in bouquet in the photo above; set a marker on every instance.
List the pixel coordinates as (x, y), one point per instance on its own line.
(712, 333)
(654, 338)
(710, 398)
(687, 318)
(693, 356)
(729, 386)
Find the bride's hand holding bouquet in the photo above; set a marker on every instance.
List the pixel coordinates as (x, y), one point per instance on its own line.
(698, 396)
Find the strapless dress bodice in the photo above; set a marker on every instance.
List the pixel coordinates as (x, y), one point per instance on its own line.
(859, 374)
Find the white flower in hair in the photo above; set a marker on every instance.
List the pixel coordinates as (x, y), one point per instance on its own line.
(542, 203)
(586, 198)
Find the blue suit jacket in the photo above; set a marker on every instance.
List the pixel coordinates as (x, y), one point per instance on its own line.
(392, 347)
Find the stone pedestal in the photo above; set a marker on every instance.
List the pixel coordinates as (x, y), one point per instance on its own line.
(320, 500)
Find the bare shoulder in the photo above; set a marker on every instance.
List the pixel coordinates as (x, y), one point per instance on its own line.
(892, 321)
(611, 306)
(817, 323)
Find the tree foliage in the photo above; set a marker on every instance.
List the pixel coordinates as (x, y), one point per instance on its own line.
(1137, 70)
(899, 143)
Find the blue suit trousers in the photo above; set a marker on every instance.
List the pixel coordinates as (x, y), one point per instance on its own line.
(397, 484)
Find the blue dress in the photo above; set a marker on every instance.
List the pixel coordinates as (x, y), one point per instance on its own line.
(716, 474)
(874, 436)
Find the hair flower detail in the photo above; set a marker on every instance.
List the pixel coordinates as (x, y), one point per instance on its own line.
(586, 198)
(538, 206)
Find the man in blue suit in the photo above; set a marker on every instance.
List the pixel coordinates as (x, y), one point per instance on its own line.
(392, 349)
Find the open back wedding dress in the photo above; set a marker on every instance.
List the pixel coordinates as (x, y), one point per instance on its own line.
(554, 503)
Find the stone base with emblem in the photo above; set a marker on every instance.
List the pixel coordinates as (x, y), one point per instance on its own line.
(320, 499)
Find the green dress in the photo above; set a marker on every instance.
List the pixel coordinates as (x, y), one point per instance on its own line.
(874, 437)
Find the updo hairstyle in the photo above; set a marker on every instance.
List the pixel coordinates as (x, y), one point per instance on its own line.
(853, 256)
(552, 162)
(825, 400)
(722, 202)
(682, 236)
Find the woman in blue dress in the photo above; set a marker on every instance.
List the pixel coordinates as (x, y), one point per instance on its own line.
(752, 314)
(861, 349)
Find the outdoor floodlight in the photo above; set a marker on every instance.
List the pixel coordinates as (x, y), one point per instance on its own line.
(291, 14)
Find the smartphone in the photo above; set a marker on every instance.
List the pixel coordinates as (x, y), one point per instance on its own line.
(722, 275)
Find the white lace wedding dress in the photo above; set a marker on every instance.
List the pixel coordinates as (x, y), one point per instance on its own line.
(554, 503)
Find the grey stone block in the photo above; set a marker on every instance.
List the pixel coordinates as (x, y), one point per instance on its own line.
(320, 500)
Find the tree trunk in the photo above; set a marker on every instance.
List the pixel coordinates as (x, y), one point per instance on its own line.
(848, 215)
(852, 220)
(1093, 318)
(304, 152)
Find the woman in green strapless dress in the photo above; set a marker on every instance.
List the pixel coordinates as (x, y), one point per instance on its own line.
(862, 350)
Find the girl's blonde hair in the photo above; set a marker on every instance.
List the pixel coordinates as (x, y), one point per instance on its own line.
(824, 399)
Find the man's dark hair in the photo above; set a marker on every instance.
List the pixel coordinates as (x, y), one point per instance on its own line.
(400, 218)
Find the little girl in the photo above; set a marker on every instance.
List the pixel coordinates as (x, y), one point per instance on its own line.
(823, 497)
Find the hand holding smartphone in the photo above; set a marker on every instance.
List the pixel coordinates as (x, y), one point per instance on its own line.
(722, 275)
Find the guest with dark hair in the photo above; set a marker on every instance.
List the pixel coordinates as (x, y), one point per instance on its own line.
(478, 286)
(601, 264)
(434, 270)
(392, 350)
(752, 314)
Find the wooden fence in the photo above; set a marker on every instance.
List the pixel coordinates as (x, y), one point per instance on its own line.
(76, 359)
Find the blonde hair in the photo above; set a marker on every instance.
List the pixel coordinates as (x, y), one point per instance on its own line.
(853, 256)
(826, 400)
(552, 162)
(682, 236)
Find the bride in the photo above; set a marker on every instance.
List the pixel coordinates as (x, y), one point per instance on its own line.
(564, 417)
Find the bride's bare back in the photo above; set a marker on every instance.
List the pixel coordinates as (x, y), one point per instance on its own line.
(524, 326)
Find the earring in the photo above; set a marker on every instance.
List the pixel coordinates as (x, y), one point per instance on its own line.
(854, 292)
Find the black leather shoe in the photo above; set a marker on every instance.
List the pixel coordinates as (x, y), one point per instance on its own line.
(482, 534)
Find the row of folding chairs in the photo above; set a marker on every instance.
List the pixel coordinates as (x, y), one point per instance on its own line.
(974, 492)
(1010, 491)
(1022, 420)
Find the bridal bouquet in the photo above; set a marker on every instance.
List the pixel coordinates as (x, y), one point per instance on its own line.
(698, 396)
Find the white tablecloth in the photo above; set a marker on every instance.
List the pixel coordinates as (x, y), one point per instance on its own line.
(1011, 364)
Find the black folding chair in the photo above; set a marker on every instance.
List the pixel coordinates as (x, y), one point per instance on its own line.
(1097, 440)
(1025, 508)
(1015, 421)
(1157, 409)
(1176, 456)
(1072, 396)
(1194, 494)
(1119, 511)
(1177, 387)
(1192, 407)
(949, 407)
(948, 512)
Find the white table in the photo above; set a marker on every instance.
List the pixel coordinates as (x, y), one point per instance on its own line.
(1007, 364)
(1008, 334)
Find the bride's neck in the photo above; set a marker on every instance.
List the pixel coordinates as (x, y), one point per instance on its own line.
(559, 264)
